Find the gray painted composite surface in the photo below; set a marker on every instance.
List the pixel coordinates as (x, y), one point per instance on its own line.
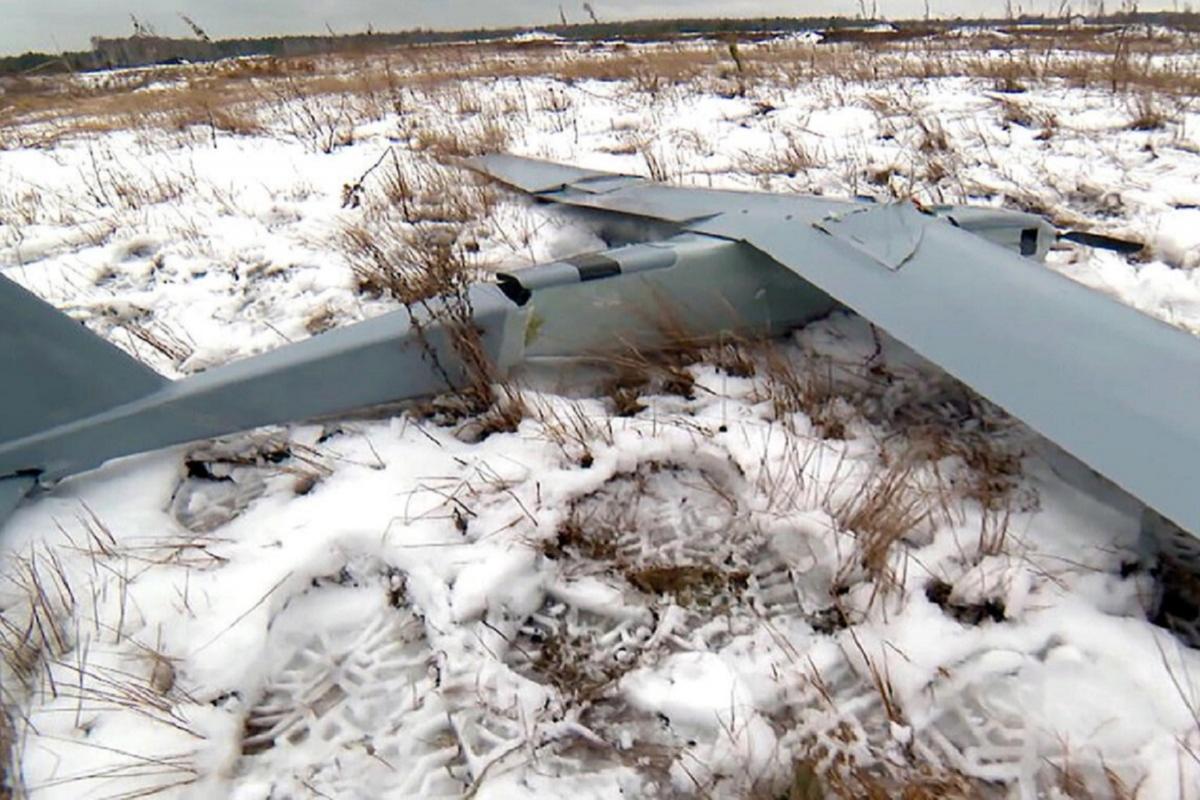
(1113, 387)
(53, 371)
(378, 361)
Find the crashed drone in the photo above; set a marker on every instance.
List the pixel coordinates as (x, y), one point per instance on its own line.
(962, 286)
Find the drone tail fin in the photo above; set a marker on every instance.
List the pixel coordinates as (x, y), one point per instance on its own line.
(53, 370)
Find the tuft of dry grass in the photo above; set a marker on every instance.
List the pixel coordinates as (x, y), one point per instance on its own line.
(918, 782)
(1147, 113)
(572, 429)
(412, 264)
(35, 632)
(408, 240)
(662, 369)
(504, 411)
(486, 135)
(609, 534)
(791, 158)
(430, 274)
(1073, 782)
(734, 357)
(811, 388)
(45, 638)
(424, 192)
(885, 509)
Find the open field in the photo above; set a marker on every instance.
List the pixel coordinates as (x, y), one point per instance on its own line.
(808, 568)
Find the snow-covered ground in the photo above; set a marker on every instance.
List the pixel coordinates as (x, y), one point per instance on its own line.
(811, 568)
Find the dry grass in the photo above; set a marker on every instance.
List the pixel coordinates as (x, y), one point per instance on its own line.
(409, 239)
(487, 135)
(663, 368)
(430, 275)
(851, 782)
(1147, 112)
(886, 509)
(792, 157)
(320, 101)
(410, 263)
(907, 497)
(36, 631)
(45, 639)
(573, 430)
(609, 534)
(815, 387)
(656, 160)
(1072, 782)
(411, 242)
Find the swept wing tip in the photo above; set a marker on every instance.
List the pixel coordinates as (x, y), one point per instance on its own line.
(532, 175)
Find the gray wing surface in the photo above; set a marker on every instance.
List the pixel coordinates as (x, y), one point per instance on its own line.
(534, 176)
(54, 370)
(625, 194)
(1112, 386)
(1115, 388)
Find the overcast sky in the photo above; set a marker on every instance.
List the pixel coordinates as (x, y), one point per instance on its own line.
(53, 25)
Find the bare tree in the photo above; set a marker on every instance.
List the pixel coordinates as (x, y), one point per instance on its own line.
(562, 15)
(141, 28)
(196, 29)
(868, 13)
(591, 13)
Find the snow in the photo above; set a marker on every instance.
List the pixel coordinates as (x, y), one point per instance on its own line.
(1177, 236)
(393, 609)
(977, 32)
(799, 37)
(536, 36)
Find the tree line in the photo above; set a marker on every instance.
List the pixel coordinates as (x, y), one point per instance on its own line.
(145, 48)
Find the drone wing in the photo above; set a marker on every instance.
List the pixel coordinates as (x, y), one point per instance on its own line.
(1117, 389)
(534, 175)
(625, 194)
